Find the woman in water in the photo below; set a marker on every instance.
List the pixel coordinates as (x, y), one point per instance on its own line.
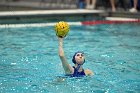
(78, 59)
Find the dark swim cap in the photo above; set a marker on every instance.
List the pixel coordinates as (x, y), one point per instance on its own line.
(73, 59)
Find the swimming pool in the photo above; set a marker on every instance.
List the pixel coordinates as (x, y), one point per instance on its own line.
(29, 61)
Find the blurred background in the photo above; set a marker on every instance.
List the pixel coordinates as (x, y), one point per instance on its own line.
(120, 5)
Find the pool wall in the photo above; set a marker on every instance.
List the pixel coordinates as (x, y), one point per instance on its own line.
(37, 16)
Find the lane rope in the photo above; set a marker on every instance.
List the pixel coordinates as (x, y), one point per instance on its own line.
(108, 20)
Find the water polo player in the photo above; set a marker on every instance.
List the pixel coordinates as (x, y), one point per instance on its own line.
(78, 58)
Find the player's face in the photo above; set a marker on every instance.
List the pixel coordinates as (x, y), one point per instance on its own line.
(79, 57)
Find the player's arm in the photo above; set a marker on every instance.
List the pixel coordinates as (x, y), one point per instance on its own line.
(67, 67)
(88, 72)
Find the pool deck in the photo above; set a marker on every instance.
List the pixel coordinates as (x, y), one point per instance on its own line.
(32, 16)
(49, 12)
(9, 17)
(38, 15)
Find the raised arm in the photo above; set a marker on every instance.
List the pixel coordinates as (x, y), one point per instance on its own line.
(67, 67)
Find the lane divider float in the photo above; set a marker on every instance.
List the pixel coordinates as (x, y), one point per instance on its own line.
(108, 20)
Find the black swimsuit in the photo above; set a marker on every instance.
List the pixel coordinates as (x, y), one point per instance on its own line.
(78, 74)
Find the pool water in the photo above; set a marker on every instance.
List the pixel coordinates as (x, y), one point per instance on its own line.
(29, 61)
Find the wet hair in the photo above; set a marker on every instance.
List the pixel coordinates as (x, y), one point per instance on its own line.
(73, 58)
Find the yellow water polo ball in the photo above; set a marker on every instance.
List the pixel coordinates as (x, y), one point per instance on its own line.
(61, 29)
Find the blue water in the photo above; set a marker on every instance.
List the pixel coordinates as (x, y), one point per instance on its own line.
(29, 61)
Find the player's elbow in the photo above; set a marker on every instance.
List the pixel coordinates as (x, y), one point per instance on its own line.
(61, 54)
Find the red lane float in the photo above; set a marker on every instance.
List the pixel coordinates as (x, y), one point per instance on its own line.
(97, 22)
